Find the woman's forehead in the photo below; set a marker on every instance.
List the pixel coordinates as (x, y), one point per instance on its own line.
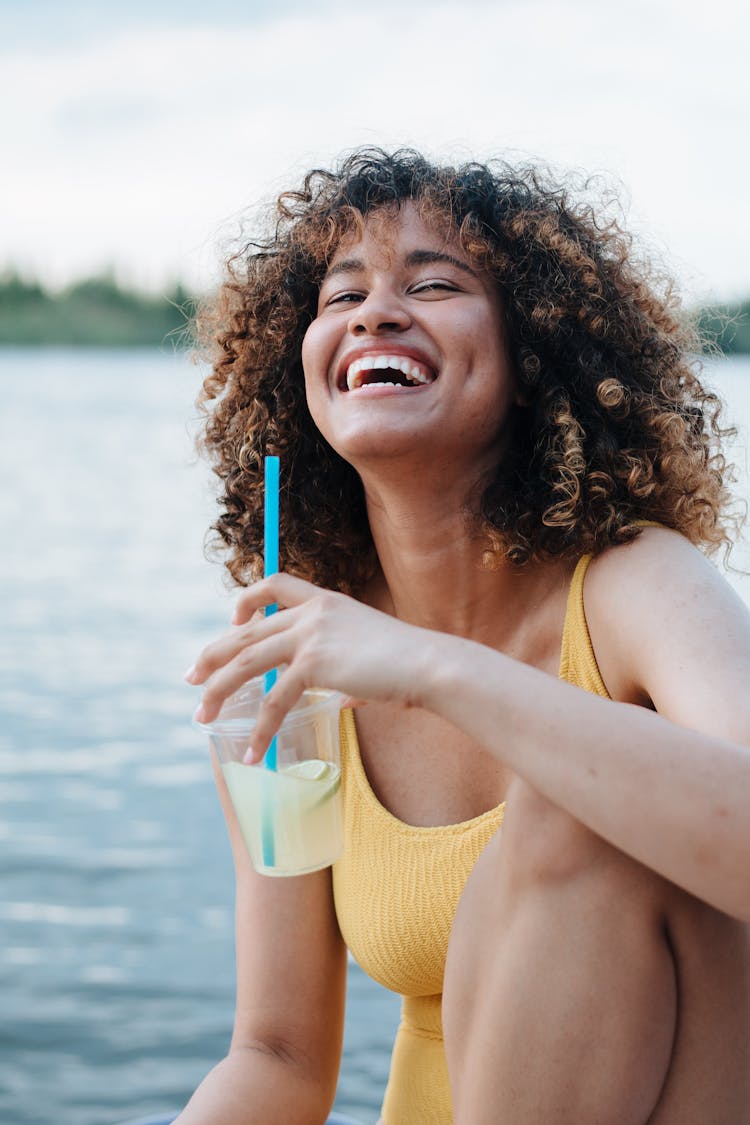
(393, 233)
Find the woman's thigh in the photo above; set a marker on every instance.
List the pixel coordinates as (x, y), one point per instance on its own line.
(560, 998)
(709, 1074)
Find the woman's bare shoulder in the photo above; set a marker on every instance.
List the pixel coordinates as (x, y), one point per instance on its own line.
(667, 628)
(659, 568)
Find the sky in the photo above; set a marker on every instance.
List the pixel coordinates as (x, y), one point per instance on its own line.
(139, 137)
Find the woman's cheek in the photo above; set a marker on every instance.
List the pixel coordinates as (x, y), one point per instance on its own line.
(317, 356)
(316, 393)
(315, 407)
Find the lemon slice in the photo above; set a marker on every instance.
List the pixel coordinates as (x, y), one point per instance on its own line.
(312, 769)
(325, 775)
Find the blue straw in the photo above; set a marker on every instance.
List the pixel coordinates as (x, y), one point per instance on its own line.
(270, 566)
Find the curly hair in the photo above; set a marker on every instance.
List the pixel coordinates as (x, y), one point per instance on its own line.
(614, 426)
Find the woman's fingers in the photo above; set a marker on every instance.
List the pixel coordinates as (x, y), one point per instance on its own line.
(246, 665)
(256, 644)
(281, 698)
(228, 647)
(280, 589)
(323, 638)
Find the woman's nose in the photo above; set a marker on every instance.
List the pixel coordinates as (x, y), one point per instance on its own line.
(379, 312)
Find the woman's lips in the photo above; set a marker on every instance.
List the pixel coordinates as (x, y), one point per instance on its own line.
(395, 369)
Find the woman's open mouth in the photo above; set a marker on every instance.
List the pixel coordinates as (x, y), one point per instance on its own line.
(384, 369)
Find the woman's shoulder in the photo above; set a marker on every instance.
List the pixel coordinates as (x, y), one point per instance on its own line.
(658, 563)
(653, 599)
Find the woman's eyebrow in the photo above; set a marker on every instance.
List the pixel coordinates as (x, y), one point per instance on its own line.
(348, 265)
(428, 257)
(413, 258)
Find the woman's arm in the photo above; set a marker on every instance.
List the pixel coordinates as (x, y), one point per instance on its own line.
(283, 1063)
(676, 799)
(673, 792)
(671, 789)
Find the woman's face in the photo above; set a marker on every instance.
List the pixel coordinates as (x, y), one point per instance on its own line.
(406, 357)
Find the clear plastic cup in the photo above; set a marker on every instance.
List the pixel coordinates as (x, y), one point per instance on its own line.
(290, 817)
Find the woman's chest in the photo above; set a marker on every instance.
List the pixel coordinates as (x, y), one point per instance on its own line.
(425, 771)
(397, 885)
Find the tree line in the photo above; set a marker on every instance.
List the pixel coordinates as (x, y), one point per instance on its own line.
(95, 311)
(98, 311)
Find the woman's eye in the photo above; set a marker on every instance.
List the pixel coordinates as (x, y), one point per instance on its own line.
(434, 285)
(344, 298)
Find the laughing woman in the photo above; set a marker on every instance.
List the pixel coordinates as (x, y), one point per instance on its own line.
(501, 477)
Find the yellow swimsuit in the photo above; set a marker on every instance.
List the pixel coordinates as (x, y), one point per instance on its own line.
(397, 887)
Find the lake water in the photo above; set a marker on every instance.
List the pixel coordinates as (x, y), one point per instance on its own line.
(116, 933)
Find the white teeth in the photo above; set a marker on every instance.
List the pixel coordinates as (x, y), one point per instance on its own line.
(417, 374)
(414, 372)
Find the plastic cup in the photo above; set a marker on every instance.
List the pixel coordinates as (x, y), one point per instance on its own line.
(290, 817)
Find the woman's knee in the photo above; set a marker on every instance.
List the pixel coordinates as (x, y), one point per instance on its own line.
(546, 873)
(542, 846)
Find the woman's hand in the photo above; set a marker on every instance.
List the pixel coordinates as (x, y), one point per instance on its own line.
(325, 640)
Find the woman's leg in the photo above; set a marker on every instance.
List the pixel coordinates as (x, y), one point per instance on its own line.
(560, 996)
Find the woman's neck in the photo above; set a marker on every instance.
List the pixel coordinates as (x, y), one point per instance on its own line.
(432, 572)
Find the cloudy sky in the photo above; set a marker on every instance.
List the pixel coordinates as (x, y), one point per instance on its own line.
(134, 135)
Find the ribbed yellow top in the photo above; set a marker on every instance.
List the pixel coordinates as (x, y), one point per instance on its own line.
(397, 887)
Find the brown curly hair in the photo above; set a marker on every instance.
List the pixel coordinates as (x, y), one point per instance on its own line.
(615, 425)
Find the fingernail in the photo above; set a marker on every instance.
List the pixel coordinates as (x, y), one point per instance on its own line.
(190, 673)
(250, 757)
(200, 714)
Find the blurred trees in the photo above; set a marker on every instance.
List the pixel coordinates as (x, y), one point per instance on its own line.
(727, 327)
(94, 311)
(98, 311)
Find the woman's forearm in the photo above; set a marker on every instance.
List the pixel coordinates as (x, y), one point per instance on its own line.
(257, 1087)
(674, 799)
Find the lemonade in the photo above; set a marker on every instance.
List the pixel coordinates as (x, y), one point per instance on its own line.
(289, 809)
(291, 819)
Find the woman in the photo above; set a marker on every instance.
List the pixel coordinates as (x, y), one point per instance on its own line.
(479, 402)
